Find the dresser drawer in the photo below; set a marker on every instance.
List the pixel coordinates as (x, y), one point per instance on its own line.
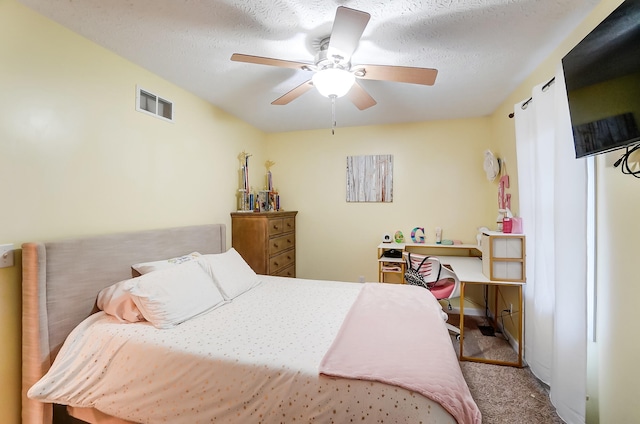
(289, 271)
(288, 224)
(282, 260)
(278, 244)
(276, 226)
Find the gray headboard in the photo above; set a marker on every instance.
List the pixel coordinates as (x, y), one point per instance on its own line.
(61, 279)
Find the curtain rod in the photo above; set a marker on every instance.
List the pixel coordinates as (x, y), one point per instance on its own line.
(525, 104)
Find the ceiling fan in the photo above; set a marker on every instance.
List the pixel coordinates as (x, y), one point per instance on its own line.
(334, 75)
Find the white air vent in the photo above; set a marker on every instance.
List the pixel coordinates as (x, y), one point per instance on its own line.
(153, 104)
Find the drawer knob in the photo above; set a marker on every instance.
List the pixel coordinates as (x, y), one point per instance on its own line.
(275, 263)
(275, 245)
(275, 227)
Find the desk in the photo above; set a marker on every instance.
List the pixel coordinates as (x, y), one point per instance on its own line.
(395, 267)
(466, 262)
(469, 271)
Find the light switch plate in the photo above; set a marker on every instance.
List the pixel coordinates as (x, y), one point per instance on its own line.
(6, 255)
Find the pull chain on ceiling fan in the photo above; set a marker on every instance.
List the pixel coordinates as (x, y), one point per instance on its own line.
(334, 75)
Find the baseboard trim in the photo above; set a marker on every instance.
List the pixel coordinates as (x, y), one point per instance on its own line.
(476, 312)
(513, 341)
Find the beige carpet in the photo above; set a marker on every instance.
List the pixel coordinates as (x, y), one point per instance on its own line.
(478, 345)
(505, 395)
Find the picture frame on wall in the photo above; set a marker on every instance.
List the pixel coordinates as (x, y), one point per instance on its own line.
(370, 178)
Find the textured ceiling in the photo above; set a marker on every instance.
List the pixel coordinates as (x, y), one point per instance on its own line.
(483, 49)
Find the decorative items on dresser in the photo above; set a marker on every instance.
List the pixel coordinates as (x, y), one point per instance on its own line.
(266, 241)
(267, 200)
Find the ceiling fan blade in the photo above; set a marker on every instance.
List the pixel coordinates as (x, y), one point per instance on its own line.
(424, 76)
(348, 27)
(237, 57)
(293, 94)
(360, 97)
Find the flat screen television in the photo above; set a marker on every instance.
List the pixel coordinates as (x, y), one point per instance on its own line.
(602, 75)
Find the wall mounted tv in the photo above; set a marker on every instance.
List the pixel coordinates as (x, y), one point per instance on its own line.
(602, 75)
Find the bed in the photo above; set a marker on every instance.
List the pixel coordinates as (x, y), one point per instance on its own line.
(282, 350)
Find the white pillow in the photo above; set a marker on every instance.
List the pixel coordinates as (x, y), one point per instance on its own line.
(147, 267)
(174, 295)
(116, 301)
(230, 272)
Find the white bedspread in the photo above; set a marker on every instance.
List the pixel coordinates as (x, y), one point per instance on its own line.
(253, 360)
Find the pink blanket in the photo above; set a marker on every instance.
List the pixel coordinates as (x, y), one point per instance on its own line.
(395, 334)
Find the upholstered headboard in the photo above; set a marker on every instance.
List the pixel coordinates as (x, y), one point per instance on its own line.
(61, 279)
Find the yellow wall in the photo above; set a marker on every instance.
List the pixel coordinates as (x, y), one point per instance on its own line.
(617, 350)
(438, 181)
(77, 158)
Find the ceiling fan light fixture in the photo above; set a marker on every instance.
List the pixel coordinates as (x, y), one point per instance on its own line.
(333, 82)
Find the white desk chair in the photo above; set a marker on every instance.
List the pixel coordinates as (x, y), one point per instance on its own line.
(440, 280)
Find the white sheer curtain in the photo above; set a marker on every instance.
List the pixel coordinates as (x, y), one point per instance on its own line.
(553, 205)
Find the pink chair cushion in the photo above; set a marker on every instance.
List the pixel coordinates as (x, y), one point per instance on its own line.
(443, 288)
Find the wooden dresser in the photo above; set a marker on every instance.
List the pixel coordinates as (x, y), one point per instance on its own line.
(266, 240)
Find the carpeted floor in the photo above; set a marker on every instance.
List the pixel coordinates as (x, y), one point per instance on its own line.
(505, 395)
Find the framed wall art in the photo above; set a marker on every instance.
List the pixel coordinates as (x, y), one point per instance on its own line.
(370, 178)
